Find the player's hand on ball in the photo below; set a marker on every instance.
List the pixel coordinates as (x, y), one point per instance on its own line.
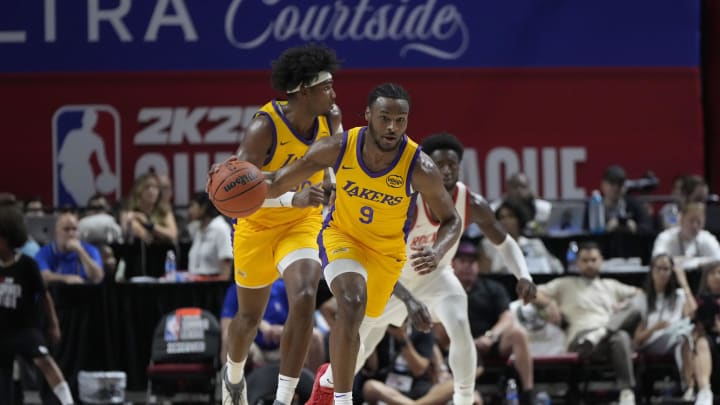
(312, 196)
(526, 290)
(213, 169)
(425, 259)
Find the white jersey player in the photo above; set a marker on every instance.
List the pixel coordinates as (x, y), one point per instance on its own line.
(440, 290)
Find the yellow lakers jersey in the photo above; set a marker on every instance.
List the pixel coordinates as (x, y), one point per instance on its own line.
(374, 208)
(287, 147)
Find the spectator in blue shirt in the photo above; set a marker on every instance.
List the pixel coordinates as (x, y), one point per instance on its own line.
(267, 341)
(67, 259)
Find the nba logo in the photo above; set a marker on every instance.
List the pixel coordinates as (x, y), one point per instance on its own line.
(86, 154)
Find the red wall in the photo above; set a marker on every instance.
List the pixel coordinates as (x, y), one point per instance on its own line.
(644, 119)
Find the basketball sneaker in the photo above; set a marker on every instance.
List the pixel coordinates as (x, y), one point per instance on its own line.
(233, 394)
(320, 395)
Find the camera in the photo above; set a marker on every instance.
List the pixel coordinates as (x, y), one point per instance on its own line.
(648, 182)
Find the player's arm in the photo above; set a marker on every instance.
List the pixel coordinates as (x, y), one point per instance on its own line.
(254, 148)
(256, 141)
(417, 311)
(427, 180)
(481, 214)
(323, 153)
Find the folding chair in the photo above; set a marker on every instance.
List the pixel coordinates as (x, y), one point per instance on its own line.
(184, 360)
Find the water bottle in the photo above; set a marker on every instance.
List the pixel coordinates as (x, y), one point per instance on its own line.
(571, 256)
(543, 398)
(667, 387)
(170, 267)
(596, 213)
(511, 393)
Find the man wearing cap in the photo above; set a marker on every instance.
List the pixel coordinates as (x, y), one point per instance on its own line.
(622, 212)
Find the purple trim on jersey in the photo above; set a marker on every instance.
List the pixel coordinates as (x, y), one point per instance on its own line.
(321, 246)
(232, 233)
(367, 171)
(271, 152)
(343, 146)
(407, 226)
(292, 130)
(415, 158)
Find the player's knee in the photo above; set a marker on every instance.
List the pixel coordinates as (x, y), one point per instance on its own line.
(245, 321)
(351, 306)
(303, 299)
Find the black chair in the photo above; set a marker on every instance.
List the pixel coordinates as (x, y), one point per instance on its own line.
(184, 360)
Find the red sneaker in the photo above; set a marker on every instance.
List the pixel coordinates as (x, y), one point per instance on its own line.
(320, 395)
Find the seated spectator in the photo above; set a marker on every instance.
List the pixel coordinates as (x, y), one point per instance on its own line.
(266, 347)
(22, 290)
(491, 322)
(622, 212)
(669, 212)
(98, 226)
(30, 247)
(666, 329)
(147, 217)
(513, 217)
(517, 187)
(707, 318)
(695, 189)
(685, 189)
(599, 313)
(149, 226)
(34, 207)
(402, 373)
(68, 259)
(689, 239)
(211, 250)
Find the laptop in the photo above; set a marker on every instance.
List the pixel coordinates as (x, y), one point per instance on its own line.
(566, 218)
(42, 229)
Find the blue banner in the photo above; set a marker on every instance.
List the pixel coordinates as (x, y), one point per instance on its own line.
(162, 35)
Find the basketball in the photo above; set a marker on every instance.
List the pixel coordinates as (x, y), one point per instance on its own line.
(237, 188)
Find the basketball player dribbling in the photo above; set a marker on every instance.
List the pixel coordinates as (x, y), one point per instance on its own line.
(280, 239)
(440, 290)
(362, 243)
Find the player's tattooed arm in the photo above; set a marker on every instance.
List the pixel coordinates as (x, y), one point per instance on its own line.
(323, 153)
(428, 181)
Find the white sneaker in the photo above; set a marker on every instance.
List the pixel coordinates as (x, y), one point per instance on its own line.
(689, 395)
(627, 397)
(704, 397)
(233, 394)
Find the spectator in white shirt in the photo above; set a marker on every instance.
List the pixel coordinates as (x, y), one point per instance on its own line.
(689, 239)
(211, 250)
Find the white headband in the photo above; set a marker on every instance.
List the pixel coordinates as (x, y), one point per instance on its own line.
(322, 76)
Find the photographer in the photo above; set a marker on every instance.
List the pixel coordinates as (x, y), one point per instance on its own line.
(623, 213)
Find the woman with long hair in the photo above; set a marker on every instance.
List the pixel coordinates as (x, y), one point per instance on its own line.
(667, 329)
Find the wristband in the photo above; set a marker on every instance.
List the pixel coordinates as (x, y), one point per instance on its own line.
(283, 201)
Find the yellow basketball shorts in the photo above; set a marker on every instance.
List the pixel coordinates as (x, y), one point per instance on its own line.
(261, 255)
(381, 270)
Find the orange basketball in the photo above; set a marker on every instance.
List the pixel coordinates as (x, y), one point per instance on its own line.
(237, 188)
